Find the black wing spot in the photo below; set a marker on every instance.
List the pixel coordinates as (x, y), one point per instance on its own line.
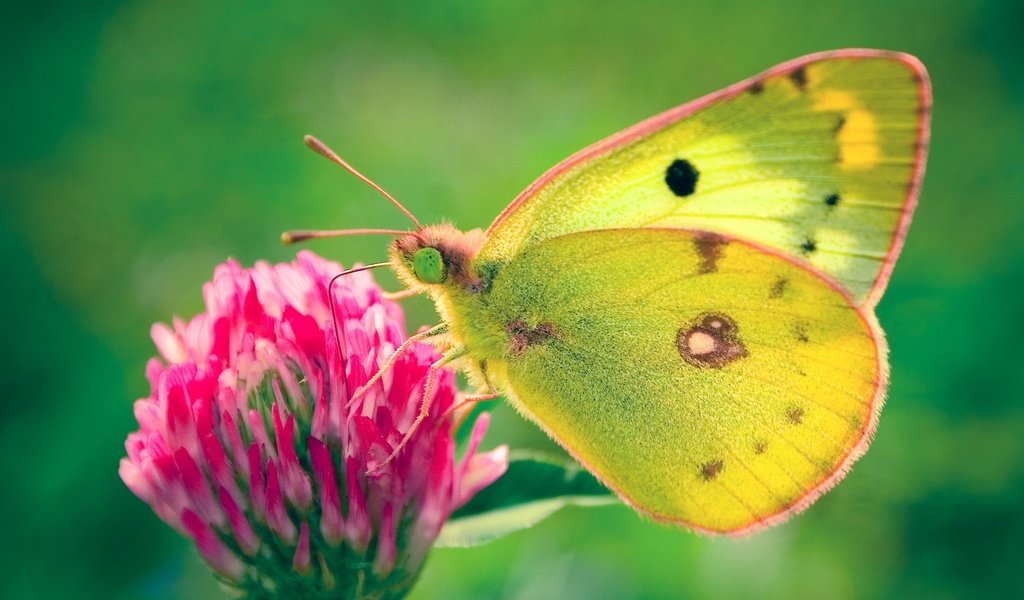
(760, 446)
(839, 125)
(795, 415)
(833, 200)
(799, 79)
(711, 469)
(810, 246)
(756, 88)
(681, 178)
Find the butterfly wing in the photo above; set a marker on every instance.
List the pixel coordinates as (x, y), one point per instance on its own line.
(821, 157)
(708, 381)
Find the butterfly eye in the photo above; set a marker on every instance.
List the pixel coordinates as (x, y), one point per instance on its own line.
(428, 265)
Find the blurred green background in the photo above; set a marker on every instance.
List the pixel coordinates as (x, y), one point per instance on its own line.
(145, 141)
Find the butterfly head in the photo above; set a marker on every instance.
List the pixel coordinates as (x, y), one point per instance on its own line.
(428, 256)
(437, 255)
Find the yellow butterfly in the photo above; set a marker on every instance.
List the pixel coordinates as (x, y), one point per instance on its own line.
(687, 305)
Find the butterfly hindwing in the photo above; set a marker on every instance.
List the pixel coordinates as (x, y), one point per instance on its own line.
(710, 382)
(821, 158)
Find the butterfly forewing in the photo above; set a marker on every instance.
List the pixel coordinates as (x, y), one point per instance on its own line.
(709, 382)
(820, 158)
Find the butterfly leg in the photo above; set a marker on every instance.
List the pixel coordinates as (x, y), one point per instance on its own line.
(470, 399)
(427, 402)
(390, 362)
(402, 294)
(467, 401)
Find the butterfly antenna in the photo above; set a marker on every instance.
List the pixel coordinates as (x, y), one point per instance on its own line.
(320, 148)
(330, 296)
(301, 235)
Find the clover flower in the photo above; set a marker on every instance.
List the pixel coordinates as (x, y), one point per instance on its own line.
(250, 444)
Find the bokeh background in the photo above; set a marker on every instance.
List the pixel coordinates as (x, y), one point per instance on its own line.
(144, 141)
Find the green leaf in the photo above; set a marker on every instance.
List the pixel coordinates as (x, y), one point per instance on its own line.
(535, 486)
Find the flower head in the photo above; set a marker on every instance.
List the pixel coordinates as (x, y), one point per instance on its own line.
(251, 445)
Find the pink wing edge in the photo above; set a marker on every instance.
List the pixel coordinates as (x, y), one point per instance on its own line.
(844, 465)
(672, 115)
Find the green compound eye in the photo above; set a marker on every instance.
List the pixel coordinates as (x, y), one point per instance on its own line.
(428, 265)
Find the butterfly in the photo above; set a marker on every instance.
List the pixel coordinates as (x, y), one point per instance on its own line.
(687, 306)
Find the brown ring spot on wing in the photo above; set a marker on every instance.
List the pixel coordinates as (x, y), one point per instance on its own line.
(712, 341)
